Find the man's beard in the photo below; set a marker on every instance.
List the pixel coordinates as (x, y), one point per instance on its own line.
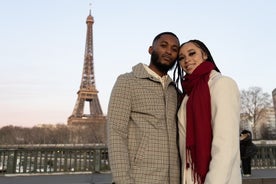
(155, 60)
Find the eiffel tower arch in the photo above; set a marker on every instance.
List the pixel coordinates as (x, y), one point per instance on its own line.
(88, 94)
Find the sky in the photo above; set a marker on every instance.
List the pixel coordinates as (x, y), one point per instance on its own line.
(42, 47)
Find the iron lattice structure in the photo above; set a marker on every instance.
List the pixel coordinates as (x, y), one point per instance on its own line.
(88, 94)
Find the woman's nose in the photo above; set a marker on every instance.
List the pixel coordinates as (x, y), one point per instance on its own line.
(187, 59)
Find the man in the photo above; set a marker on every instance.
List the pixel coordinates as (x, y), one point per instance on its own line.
(142, 125)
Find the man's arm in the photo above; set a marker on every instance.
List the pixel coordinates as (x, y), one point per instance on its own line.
(118, 119)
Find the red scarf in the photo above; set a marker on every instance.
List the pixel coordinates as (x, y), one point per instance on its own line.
(198, 130)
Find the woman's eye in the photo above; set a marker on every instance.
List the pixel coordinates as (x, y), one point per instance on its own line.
(181, 59)
(192, 53)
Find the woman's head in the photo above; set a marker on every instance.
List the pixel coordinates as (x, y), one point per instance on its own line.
(192, 54)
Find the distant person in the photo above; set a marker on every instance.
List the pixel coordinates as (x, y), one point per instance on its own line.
(142, 126)
(209, 118)
(248, 151)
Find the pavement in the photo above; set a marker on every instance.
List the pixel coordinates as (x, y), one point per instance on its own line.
(258, 176)
(262, 173)
(75, 178)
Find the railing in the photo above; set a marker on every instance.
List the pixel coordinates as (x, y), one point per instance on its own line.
(53, 158)
(265, 157)
(83, 158)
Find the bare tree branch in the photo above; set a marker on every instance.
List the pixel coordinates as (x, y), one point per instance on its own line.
(254, 106)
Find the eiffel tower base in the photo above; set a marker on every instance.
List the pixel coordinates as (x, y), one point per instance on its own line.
(87, 130)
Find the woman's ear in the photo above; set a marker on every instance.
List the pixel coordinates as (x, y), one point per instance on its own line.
(205, 56)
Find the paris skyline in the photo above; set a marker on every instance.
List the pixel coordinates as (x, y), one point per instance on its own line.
(43, 43)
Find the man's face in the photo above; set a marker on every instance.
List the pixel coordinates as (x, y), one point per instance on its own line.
(164, 52)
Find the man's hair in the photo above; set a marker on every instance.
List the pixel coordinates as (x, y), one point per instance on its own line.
(164, 33)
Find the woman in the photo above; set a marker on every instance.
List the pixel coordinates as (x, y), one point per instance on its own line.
(208, 119)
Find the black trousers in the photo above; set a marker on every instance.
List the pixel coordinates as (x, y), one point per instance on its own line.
(246, 165)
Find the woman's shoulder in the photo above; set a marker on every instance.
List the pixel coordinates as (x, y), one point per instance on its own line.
(223, 86)
(218, 80)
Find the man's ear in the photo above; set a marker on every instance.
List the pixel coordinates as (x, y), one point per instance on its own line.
(150, 50)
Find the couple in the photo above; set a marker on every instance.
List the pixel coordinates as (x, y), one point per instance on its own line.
(159, 135)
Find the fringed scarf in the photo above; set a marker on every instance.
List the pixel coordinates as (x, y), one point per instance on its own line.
(198, 130)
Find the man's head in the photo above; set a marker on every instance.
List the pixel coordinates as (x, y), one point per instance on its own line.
(164, 51)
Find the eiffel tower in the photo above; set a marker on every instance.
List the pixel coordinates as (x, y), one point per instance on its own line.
(88, 94)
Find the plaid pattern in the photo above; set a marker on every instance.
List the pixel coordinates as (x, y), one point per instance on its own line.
(142, 131)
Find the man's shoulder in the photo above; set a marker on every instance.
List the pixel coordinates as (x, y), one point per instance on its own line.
(135, 69)
(126, 76)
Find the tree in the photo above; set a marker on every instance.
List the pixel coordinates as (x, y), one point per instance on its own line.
(254, 106)
(54, 134)
(8, 135)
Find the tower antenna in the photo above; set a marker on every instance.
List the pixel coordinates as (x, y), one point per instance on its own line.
(90, 5)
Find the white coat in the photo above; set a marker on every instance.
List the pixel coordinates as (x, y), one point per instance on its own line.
(224, 166)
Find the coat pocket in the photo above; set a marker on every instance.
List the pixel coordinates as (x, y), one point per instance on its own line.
(141, 149)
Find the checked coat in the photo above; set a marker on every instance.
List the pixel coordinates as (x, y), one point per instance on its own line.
(142, 130)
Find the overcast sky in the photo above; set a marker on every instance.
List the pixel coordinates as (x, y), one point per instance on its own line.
(42, 47)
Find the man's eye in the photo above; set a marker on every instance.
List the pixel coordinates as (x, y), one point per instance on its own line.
(175, 49)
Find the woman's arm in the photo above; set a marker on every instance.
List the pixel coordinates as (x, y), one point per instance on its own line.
(225, 105)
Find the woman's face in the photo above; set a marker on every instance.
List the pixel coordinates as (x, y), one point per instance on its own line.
(190, 56)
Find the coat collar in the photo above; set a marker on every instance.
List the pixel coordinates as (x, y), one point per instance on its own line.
(140, 72)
